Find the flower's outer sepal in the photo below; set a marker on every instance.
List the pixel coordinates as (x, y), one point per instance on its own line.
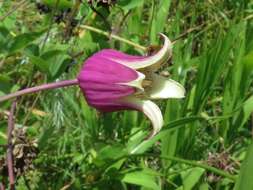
(150, 109)
(163, 88)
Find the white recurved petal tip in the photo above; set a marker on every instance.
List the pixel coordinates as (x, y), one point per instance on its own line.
(154, 61)
(150, 109)
(163, 88)
(137, 83)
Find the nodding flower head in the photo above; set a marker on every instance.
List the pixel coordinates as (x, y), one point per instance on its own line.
(111, 81)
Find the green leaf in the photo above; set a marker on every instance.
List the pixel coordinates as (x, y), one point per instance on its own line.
(4, 33)
(5, 84)
(248, 60)
(3, 136)
(130, 4)
(110, 153)
(204, 186)
(40, 63)
(245, 182)
(55, 60)
(191, 177)
(10, 21)
(158, 23)
(22, 40)
(32, 49)
(247, 110)
(4, 37)
(142, 178)
(59, 4)
(142, 145)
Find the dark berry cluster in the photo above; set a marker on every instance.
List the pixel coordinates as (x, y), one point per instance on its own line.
(58, 16)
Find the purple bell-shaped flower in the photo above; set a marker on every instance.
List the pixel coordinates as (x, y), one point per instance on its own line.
(111, 80)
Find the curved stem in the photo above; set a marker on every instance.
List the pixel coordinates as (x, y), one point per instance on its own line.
(54, 85)
(108, 34)
(198, 164)
(184, 161)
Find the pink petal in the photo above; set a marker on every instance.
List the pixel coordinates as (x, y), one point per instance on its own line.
(139, 62)
(99, 81)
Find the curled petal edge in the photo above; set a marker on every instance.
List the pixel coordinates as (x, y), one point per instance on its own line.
(153, 61)
(150, 109)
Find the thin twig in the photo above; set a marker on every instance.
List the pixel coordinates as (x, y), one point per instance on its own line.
(9, 157)
(108, 34)
(65, 187)
(22, 3)
(190, 30)
(119, 27)
(248, 17)
(31, 108)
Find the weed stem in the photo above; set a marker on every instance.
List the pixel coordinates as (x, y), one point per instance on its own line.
(9, 156)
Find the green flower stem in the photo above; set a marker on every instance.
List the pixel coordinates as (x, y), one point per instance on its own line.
(54, 85)
(195, 163)
(188, 162)
(201, 165)
(109, 35)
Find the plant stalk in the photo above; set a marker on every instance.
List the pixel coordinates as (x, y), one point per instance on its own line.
(54, 85)
(9, 156)
(109, 35)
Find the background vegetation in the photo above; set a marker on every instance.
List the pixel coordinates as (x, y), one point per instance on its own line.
(61, 143)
